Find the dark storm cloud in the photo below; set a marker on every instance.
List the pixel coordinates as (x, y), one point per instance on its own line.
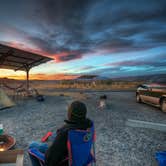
(139, 15)
(116, 44)
(138, 63)
(115, 12)
(125, 66)
(158, 37)
(109, 70)
(86, 68)
(69, 57)
(135, 29)
(62, 20)
(67, 26)
(61, 11)
(126, 19)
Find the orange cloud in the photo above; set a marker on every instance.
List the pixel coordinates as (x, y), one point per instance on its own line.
(52, 77)
(12, 74)
(22, 76)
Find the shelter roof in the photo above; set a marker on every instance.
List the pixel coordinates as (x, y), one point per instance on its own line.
(17, 59)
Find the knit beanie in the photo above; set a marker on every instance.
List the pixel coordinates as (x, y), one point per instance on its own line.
(77, 111)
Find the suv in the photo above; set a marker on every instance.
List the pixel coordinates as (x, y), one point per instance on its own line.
(154, 94)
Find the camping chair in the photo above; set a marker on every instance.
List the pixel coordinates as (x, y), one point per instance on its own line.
(38, 156)
(80, 146)
(161, 158)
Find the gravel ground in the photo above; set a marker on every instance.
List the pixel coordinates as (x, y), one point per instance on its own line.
(116, 145)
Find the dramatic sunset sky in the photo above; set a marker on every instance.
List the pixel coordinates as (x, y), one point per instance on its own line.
(110, 38)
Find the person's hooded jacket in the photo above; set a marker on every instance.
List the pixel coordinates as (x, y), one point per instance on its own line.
(57, 153)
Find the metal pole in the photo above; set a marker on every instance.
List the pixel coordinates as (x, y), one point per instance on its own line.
(27, 81)
(27, 69)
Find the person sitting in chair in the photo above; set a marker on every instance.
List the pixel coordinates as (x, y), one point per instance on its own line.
(57, 153)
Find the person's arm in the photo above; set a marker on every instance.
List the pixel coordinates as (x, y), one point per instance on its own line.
(57, 151)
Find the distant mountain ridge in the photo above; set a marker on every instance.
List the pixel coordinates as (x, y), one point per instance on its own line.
(92, 77)
(159, 78)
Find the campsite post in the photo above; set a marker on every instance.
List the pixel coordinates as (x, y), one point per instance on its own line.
(27, 81)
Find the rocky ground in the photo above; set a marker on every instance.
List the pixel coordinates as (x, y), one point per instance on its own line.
(116, 145)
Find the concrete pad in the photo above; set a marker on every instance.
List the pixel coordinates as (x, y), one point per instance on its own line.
(145, 124)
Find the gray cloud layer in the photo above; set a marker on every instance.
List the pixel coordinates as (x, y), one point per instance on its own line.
(83, 26)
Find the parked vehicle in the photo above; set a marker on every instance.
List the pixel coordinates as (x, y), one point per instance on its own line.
(154, 94)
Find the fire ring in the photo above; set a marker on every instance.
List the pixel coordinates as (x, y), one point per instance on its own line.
(6, 142)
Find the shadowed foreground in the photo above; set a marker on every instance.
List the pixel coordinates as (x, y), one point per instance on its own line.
(117, 144)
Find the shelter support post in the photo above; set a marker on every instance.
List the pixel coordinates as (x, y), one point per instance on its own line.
(27, 81)
(27, 69)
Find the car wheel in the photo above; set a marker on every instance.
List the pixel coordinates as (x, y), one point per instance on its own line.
(163, 105)
(138, 98)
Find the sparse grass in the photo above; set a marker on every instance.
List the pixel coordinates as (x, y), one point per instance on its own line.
(120, 85)
(50, 87)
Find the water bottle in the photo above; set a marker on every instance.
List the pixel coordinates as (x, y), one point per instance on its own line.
(1, 129)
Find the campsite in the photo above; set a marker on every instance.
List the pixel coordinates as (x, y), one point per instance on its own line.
(127, 133)
(82, 83)
(117, 143)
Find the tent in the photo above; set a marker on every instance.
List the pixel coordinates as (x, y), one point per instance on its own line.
(5, 101)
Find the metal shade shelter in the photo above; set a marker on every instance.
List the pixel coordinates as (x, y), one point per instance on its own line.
(16, 59)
